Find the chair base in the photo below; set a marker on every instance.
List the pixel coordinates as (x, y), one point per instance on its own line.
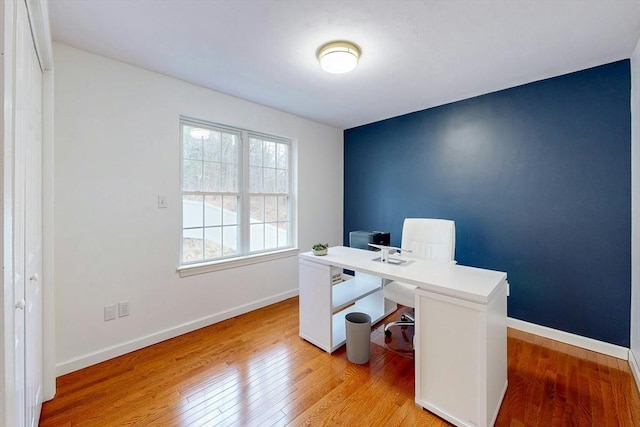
(406, 319)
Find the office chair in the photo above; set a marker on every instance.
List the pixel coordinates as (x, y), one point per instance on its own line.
(422, 238)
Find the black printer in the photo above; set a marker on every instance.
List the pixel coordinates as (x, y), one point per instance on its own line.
(361, 239)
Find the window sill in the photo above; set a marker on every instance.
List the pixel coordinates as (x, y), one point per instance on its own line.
(207, 267)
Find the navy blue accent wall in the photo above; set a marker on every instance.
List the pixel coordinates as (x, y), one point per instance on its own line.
(538, 180)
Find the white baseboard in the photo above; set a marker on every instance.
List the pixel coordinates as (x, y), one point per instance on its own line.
(133, 345)
(635, 367)
(572, 339)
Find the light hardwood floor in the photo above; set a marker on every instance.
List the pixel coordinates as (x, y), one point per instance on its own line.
(255, 370)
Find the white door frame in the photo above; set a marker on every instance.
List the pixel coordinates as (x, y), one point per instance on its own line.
(39, 17)
(7, 396)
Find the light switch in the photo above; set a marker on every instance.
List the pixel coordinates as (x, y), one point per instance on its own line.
(162, 201)
(110, 312)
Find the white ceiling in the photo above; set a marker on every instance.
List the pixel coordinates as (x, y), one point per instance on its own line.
(415, 54)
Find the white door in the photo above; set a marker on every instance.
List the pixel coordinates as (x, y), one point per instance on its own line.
(28, 222)
(19, 167)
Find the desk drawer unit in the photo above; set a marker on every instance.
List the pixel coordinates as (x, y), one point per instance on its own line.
(461, 357)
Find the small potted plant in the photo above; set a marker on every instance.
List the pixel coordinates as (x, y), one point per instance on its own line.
(320, 248)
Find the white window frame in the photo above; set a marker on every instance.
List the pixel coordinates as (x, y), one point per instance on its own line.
(245, 256)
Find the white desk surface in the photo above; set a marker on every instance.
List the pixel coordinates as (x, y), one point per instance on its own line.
(468, 283)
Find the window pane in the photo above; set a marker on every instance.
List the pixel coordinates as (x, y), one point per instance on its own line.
(256, 237)
(212, 211)
(229, 148)
(282, 184)
(270, 209)
(191, 175)
(229, 180)
(255, 152)
(270, 236)
(269, 183)
(213, 242)
(192, 147)
(192, 249)
(211, 147)
(283, 208)
(230, 240)
(230, 212)
(255, 180)
(211, 178)
(192, 211)
(257, 209)
(283, 234)
(283, 156)
(269, 154)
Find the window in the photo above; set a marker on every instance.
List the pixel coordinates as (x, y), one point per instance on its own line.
(268, 194)
(236, 198)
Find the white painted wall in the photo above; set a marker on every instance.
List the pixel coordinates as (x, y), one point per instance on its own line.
(116, 148)
(634, 354)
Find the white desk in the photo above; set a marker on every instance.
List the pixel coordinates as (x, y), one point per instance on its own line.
(461, 325)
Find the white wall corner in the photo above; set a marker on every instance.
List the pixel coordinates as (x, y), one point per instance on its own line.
(635, 368)
(48, 269)
(571, 339)
(634, 353)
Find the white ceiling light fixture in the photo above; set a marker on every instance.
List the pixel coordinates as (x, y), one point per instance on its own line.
(338, 57)
(199, 133)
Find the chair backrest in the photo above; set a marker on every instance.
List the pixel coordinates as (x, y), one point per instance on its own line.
(427, 238)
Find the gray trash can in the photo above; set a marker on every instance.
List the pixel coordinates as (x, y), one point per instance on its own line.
(358, 327)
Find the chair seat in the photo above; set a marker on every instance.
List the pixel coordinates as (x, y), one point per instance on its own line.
(400, 292)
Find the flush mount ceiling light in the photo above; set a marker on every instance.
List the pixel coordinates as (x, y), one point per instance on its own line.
(338, 57)
(199, 133)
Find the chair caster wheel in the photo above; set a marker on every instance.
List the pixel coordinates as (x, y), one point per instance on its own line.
(387, 333)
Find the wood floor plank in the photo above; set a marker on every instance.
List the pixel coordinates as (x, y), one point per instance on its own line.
(254, 370)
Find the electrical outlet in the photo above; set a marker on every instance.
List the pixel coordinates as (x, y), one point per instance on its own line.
(162, 201)
(110, 312)
(123, 309)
